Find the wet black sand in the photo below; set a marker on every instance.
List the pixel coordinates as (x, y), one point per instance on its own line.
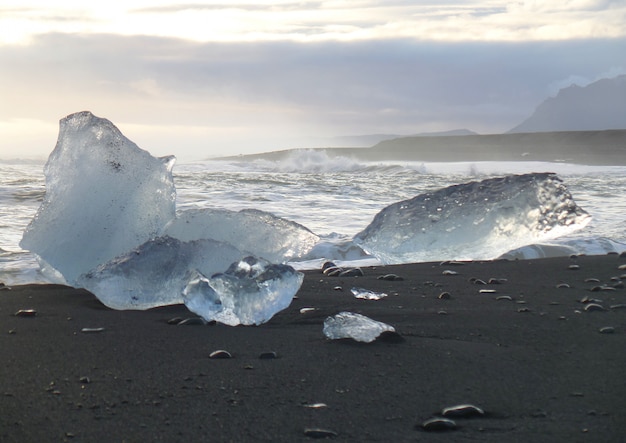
(537, 364)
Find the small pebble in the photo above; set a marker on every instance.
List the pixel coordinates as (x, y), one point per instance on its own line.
(594, 307)
(587, 299)
(573, 267)
(464, 410)
(607, 330)
(84, 379)
(439, 424)
(562, 286)
(619, 306)
(478, 281)
(592, 280)
(487, 291)
(444, 296)
(315, 405)
(192, 321)
(449, 272)
(319, 433)
(26, 313)
(504, 297)
(305, 310)
(496, 281)
(338, 288)
(220, 353)
(174, 321)
(390, 277)
(268, 355)
(92, 330)
(352, 272)
(622, 267)
(523, 310)
(451, 263)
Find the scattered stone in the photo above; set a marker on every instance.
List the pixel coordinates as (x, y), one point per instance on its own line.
(174, 321)
(390, 277)
(602, 288)
(523, 310)
(220, 354)
(192, 321)
(464, 410)
(92, 330)
(449, 272)
(594, 307)
(587, 299)
(573, 267)
(607, 330)
(621, 267)
(487, 291)
(619, 285)
(477, 281)
(338, 288)
(319, 433)
(496, 281)
(504, 297)
(84, 379)
(26, 313)
(390, 337)
(618, 306)
(562, 286)
(623, 254)
(305, 310)
(439, 424)
(268, 355)
(315, 405)
(444, 296)
(592, 280)
(451, 263)
(351, 272)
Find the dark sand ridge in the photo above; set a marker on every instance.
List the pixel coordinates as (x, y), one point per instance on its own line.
(537, 364)
(581, 147)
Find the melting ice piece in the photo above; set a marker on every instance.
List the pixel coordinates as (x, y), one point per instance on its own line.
(156, 273)
(250, 292)
(254, 232)
(355, 326)
(104, 196)
(366, 294)
(476, 220)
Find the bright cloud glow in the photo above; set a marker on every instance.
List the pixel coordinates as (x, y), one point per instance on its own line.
(251, 20)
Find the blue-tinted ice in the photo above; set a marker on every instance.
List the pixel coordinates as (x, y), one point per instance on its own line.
(355, 326)
(104, 197)
(156, 273)
(254, 232)
(473, 220)
(249, 292)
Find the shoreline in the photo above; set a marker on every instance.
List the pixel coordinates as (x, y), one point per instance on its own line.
(529, 354)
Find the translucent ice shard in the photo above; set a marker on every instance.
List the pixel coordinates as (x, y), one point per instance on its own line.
(254, 232)
(250, 292)
(476, 220)
(104, 196)
(156, 273)
(355, 326)
(367, 294)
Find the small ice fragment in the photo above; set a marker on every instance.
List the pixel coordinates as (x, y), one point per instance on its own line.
(91, 330)
(366, 294)
(355, 326)
(250, 292)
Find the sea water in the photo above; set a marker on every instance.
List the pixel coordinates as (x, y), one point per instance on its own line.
(335, 197)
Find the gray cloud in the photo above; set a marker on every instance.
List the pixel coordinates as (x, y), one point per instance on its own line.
(336, 88)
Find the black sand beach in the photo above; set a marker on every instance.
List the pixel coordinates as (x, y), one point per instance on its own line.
(535, 360)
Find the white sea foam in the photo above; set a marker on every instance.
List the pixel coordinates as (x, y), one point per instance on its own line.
(333, 203)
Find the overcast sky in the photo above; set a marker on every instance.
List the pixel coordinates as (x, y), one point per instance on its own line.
(204, 79)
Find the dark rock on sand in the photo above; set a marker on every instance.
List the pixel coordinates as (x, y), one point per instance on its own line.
(220, 354)
(438, 424)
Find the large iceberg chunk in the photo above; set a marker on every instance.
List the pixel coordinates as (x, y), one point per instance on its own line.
(355, 326)
(478, 220)
(254, 232)
(104, 196)
(156, 273)
(250, 292)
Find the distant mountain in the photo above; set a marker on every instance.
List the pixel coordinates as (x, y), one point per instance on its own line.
(598, 106)
(452, 133)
